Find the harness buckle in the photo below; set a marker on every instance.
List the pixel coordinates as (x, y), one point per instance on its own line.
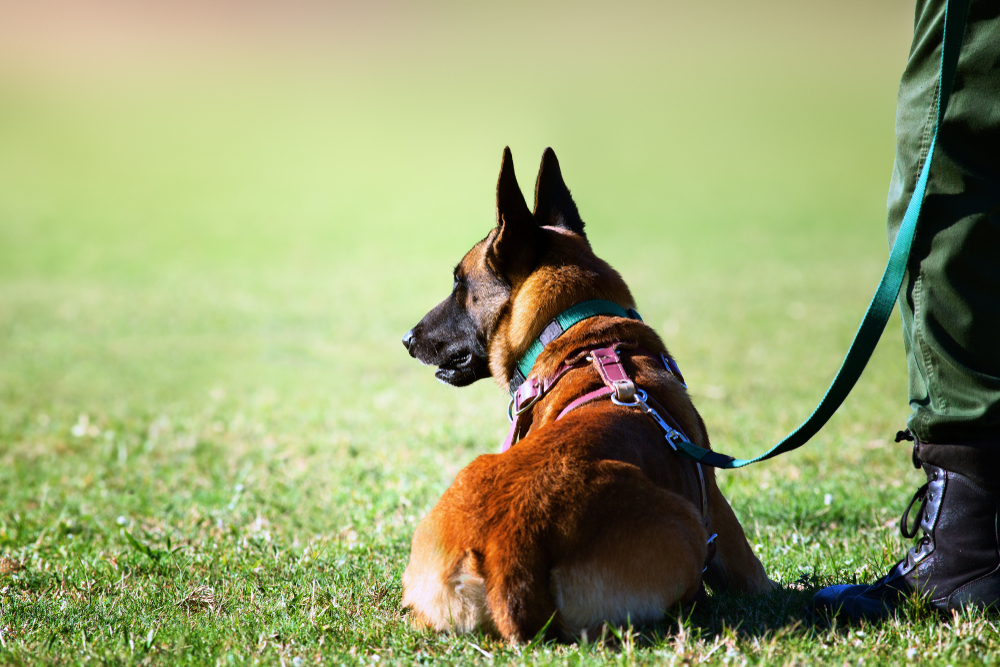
(624, 390)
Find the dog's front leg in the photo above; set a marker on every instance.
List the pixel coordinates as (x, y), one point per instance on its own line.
(735, 567)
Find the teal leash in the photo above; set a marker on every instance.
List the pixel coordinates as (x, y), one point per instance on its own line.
(882, 303)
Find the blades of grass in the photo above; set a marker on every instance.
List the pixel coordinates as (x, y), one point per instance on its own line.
(540, 635)
(145, 549)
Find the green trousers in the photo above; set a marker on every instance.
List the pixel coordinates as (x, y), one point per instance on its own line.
(950, 299)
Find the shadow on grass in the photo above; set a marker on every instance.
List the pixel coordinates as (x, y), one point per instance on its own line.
(767, 617)
(743, 617)
(782, 611)
(752, 615)
(779, 614)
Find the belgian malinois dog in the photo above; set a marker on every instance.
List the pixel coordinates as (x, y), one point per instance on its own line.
(591, 518)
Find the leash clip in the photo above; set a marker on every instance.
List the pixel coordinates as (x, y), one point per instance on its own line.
(709, 544)
(671, 435)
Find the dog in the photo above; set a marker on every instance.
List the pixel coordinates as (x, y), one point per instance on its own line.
(589, 517)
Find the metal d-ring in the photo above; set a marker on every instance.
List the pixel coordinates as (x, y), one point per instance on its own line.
(640, 399)
(511, 412)
(528, 405)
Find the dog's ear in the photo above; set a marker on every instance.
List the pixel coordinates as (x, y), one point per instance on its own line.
(554, 206)
(516, 243)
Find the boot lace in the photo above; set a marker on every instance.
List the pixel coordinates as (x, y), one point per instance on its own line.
(904, 528)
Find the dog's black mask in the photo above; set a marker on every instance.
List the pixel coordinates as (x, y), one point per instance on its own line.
(447, 338)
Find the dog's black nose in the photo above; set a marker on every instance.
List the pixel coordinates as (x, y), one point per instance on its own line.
(407, 339)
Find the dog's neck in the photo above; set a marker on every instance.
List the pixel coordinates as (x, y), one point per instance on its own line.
(600, 331)
(558, 326)
(568, 273)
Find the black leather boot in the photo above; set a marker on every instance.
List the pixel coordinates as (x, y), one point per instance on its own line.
(956, 564)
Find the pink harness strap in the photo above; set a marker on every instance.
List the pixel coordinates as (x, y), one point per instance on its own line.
(617, 381)
(613, 373)
(622, 391)
(526, 396)
(608, 364)
(586, 398)
(512, 434)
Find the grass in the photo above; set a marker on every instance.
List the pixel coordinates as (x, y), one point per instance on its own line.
(213, 449)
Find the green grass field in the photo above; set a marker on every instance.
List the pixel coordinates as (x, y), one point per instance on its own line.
(214, 449)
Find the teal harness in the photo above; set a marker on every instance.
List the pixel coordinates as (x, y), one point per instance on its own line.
(875, 318)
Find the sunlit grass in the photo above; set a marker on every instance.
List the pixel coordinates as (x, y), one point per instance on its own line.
(213, 447)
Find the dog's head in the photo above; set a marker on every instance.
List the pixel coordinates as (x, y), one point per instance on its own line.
(508, 287)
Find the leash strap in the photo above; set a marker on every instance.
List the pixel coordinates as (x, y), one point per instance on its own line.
(882, 303)
(562, 322)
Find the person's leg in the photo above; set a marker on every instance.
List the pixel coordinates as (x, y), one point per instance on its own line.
(950, 306)
(950, 302)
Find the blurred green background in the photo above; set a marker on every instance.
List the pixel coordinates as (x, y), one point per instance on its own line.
(254, 197)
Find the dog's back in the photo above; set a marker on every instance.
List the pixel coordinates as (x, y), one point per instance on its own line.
(554, 529)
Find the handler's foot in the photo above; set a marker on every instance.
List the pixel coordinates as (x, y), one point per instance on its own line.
(956, 564)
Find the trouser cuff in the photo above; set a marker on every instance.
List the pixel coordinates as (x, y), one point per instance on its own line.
(979, 461)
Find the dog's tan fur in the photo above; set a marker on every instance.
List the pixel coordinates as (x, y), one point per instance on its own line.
(587, 520)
